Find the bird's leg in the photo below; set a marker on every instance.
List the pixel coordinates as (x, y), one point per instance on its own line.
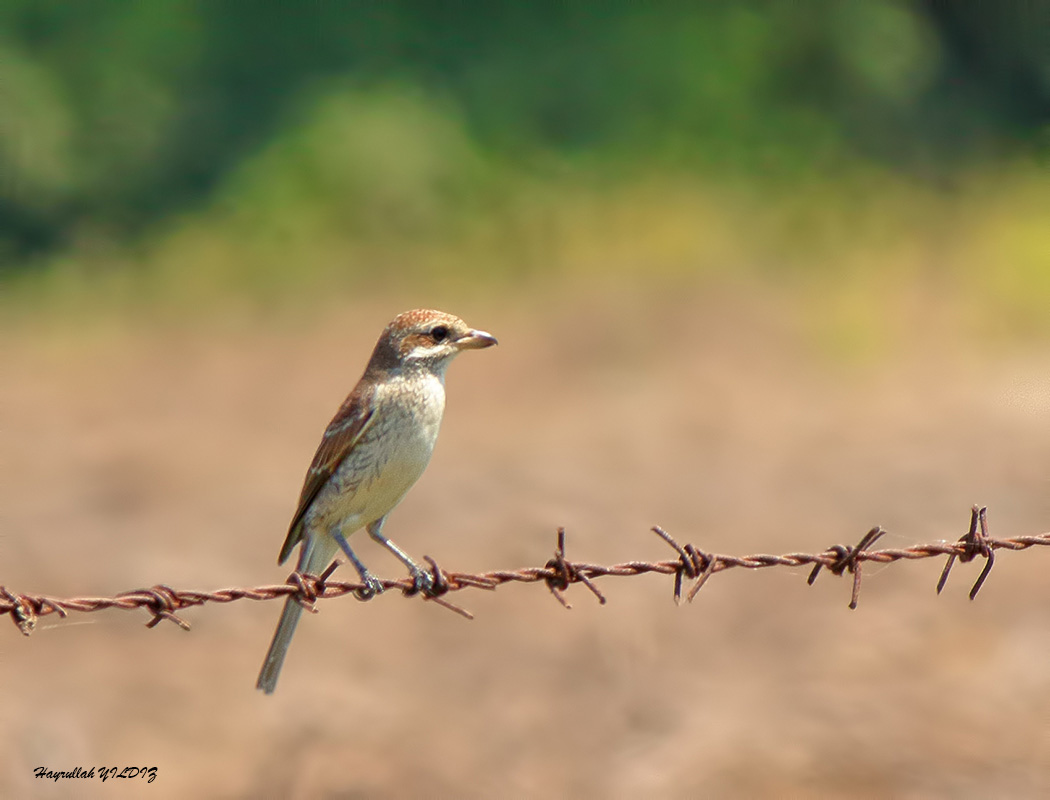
(422, 579)
(372, 584)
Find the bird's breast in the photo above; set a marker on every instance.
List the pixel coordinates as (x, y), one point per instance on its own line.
(390, 456)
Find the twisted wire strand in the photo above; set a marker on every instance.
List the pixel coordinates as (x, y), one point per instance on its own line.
(164, 602)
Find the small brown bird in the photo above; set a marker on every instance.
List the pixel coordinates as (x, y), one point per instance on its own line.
(373, 451)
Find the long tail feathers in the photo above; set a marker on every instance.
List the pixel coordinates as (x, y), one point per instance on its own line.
(282, 638)
(316, 554)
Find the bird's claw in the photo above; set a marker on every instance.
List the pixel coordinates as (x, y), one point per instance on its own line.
(370, 587)
(422, 582)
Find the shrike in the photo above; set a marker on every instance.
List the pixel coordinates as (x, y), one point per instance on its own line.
(372, 452)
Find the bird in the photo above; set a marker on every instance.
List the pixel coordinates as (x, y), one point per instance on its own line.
(373, 451)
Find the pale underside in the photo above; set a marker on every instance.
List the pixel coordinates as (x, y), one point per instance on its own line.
(390, 454)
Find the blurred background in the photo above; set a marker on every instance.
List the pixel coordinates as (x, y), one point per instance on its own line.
(765, 273)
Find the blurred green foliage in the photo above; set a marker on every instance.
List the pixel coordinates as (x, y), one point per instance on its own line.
(258, 135)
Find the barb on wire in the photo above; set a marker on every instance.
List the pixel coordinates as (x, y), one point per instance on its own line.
(165, 603)
(849, 560)
(695, 565)
(565, 573)
(976, 543)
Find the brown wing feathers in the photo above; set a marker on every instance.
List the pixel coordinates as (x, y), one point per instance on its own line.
(342, 433)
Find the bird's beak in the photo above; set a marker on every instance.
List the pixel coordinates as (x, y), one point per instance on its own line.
(475, 340)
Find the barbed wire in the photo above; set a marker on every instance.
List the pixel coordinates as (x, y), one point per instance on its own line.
(558, 574)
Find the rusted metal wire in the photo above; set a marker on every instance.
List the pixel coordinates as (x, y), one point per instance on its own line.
(976, 543)
(165, 603)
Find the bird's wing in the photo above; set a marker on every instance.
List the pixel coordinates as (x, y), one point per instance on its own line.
(342, 434)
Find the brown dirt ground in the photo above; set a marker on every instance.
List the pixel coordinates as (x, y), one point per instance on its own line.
(175, 456)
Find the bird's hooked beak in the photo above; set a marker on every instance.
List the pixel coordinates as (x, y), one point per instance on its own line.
(475, 340)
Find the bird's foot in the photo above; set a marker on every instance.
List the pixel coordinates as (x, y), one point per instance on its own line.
(370, 586)
(422, 581)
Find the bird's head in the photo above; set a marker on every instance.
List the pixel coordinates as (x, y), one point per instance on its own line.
(425, 339)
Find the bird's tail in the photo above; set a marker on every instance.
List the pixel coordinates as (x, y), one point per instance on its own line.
(316, 554)
(282, 637)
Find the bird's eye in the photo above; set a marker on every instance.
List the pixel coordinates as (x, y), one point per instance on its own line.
(439, 333)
